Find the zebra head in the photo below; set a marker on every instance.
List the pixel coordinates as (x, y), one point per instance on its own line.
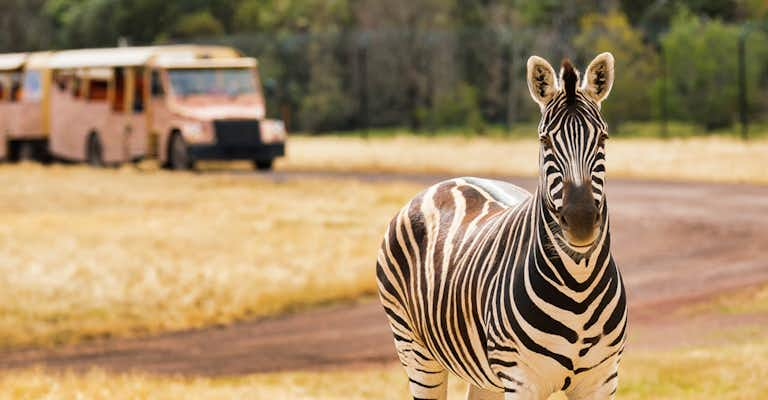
(572, 134)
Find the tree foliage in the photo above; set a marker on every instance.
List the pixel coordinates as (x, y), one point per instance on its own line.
(636, 63)
(702, 69)
(346, 64)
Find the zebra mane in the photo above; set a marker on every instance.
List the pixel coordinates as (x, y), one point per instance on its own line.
(570, 78)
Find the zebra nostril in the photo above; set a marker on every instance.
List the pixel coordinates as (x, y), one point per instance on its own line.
(597, 218)
(563, 221)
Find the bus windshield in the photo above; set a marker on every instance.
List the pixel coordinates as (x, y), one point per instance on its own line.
(212, 81)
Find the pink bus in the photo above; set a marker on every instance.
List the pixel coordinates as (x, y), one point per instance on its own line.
(24, 111)
(179, 104)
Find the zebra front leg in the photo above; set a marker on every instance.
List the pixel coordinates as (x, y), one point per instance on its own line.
(427, 379)
(475, 393)
(602, 387)
(517, 386)
(604, 392)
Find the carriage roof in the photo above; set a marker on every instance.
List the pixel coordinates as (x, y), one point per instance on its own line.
(135, 56)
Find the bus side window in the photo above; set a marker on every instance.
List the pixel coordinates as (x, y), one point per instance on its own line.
(61, 81)
(97, 91)
(16, 87)
(77, 82)
(119, 98)
(33, 90)
(157, 85)
(138, 92)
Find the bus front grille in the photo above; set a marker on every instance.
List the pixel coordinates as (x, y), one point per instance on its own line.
(239, 132)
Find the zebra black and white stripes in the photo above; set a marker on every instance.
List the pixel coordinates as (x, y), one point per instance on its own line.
(515, 293)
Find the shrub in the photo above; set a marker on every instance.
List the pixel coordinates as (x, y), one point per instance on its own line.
(459, 107)
(702, 69)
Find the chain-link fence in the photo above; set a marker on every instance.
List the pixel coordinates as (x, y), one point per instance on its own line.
(706, 75)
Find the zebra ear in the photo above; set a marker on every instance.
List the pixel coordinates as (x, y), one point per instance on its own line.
(598, 78)
(542, 81)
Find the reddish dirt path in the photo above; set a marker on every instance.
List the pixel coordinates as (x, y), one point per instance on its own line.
(676, 243)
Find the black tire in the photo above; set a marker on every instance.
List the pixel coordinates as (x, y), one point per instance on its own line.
(178, 154)
(27, 152)
(262, 165)
(13, 152)
(93, 152)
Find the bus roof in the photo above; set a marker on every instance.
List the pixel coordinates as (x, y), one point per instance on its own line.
(12, 61)
(133, 56)
(38, 60)
(234, 62)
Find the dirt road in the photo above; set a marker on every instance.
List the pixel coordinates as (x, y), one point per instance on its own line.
(675, 242)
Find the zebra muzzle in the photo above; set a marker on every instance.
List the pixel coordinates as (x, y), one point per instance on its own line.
(580, 218)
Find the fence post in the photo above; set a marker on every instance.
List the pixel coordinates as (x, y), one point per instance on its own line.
(511, 84)
(362, 60)
(664, 88)
(743, 103)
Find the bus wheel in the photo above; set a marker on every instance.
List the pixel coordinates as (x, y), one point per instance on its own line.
(262, 165)
(27, 152)
(179, 155)
(93, 151)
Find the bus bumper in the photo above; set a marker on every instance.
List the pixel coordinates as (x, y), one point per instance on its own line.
(260, 152)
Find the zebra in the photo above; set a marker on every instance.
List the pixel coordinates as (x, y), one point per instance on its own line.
(514, 292)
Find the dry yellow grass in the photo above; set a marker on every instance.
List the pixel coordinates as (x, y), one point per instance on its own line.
(752, 300)
(716, 159)
(102, 252)
(730, 372)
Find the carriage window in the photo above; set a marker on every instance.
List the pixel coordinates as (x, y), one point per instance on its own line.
(138, 92)
(33, 89)
(61, 81)
(77, 84)
(6, 86)
(118, 102)
(16, 86)
(157, 85)
(97, 90)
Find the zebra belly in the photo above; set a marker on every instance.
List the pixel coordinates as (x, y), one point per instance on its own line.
(458, 342)
(458, 217)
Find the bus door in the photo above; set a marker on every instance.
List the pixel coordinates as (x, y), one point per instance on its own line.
(5, 114)
(5, 89)
(17, 117)
(34, 107)
(135, 127)
(156, 112)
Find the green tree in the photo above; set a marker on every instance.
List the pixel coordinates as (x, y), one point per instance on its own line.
(23, 26)
(636, 63)
(702, 64)
(84, 23)
(197, 24)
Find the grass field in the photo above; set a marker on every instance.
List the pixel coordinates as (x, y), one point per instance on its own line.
(745, 301)
(716, 159)
(735, 371)
(90, 253)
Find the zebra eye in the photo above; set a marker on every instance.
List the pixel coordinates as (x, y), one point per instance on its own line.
(603, 138)
(546, 141)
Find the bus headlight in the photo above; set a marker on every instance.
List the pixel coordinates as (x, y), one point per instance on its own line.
(272, 130)
(193, 130)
